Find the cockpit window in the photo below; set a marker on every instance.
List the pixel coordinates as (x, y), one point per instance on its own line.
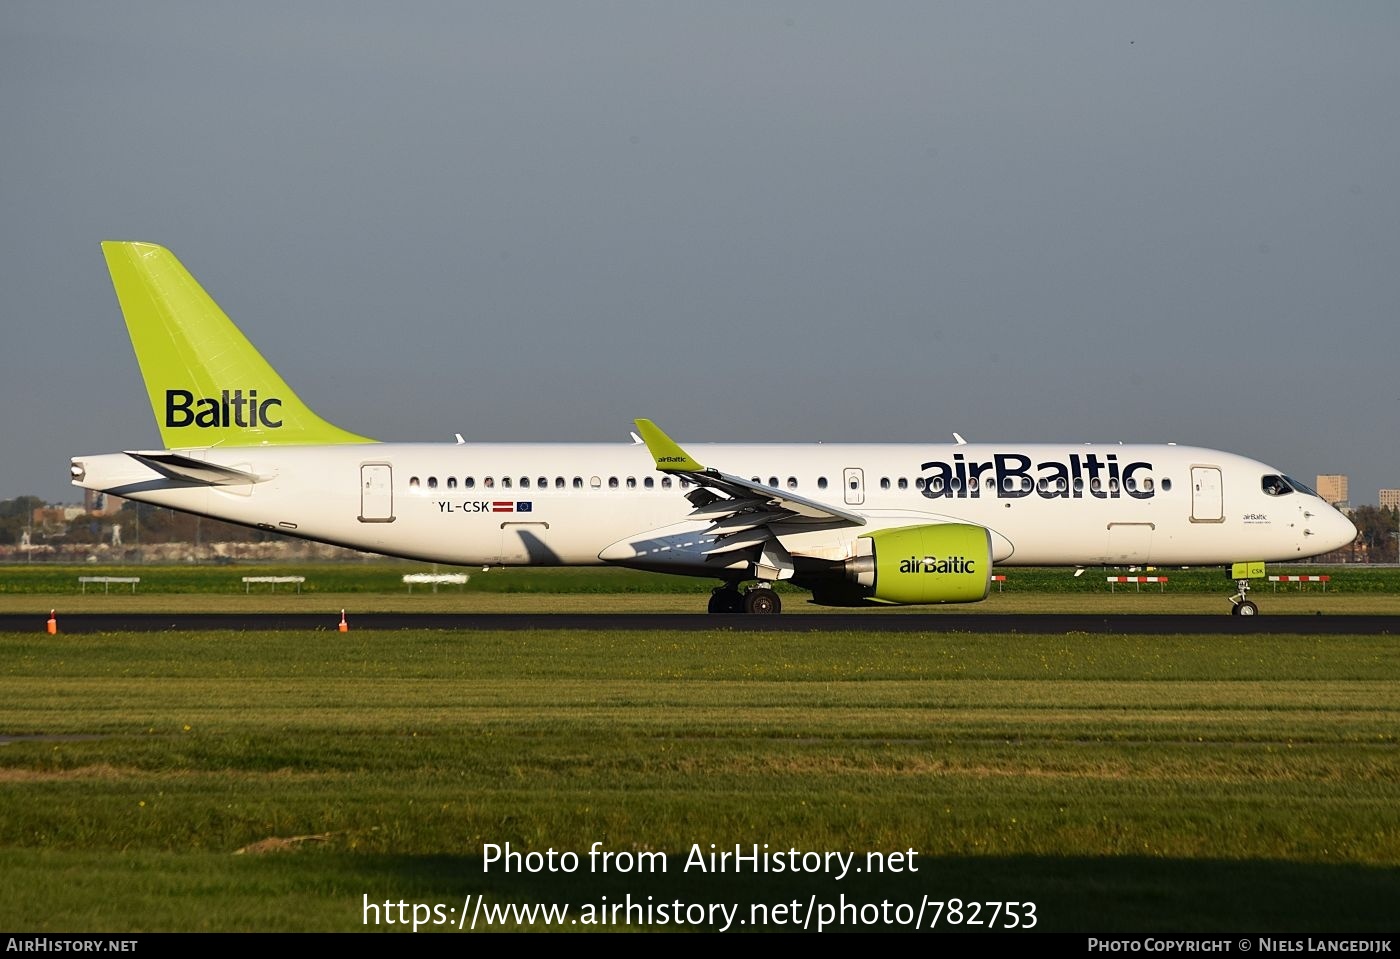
(1275, 485)
(1301, 487)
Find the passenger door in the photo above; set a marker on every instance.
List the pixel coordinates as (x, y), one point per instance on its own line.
(376, 493)
(1207, 500)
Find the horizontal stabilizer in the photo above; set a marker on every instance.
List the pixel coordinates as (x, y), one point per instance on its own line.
(191, 470)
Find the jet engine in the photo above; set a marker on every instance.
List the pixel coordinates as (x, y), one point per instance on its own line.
(946, 563)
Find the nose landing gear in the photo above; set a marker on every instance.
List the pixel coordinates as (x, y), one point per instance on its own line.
(1239, 606)
(1242, 573)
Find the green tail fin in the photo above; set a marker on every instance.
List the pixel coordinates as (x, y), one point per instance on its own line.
(208, 385)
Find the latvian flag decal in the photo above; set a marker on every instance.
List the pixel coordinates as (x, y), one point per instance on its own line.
(507, 506)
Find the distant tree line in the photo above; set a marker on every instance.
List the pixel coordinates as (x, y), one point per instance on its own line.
(140, 523)
(15, 517)
(1376, 529)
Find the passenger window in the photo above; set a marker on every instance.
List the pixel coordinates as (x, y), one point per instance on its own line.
(1166, 484)
(903, 483)
(505, 482)
(432, 482)
(489, 482)
(773, 481)
(543, 482)
(524, 482)
(684, 482)
(1147, 484)
(559, 482)
(578, 482)
(884, 482)
(596, 482)
(451, 482)
(649, 482)
(612, 482)
(792, 482)
(469, 482)
(665, 482)
(821, 482)
(1095, 485)
(631, 482)
(413, 482)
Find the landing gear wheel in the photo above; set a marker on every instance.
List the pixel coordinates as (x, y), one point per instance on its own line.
(762, 602)
(1239, 606)
(726, 599)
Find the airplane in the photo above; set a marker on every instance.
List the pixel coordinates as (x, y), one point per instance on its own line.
(855, 525)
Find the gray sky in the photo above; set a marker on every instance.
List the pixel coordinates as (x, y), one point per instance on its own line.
(749, 221)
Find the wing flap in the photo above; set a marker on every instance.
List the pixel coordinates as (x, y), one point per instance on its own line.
(745, 540)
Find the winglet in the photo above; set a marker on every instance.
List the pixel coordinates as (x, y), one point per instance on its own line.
(670, 458)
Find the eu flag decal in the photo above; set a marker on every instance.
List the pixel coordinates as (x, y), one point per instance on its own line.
(523, 506)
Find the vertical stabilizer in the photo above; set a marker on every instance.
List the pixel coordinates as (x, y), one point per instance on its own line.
(208, 385)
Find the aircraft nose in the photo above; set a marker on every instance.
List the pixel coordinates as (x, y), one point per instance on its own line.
(1338, 531)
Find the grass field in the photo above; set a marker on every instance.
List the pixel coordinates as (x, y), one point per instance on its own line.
(378, 587)
(170, 781)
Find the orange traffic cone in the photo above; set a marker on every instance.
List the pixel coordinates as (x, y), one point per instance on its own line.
(53, 624)
(344, 626)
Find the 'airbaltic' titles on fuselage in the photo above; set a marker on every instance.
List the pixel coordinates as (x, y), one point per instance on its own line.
(1100, 477)
(183, 408)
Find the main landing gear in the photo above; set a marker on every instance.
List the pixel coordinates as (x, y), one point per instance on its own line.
(758, 600)
(1239, 606)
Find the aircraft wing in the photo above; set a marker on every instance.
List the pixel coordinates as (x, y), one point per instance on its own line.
(767, 504)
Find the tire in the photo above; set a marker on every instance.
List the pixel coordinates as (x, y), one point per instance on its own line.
(762, 602)
(1247, 608)
(725, 600)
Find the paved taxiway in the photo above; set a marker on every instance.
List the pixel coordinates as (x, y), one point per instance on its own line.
(936, 622)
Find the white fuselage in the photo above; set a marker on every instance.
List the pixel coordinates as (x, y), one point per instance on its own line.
(580, 504)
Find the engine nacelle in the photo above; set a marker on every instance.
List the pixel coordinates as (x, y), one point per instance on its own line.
(948, 563)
